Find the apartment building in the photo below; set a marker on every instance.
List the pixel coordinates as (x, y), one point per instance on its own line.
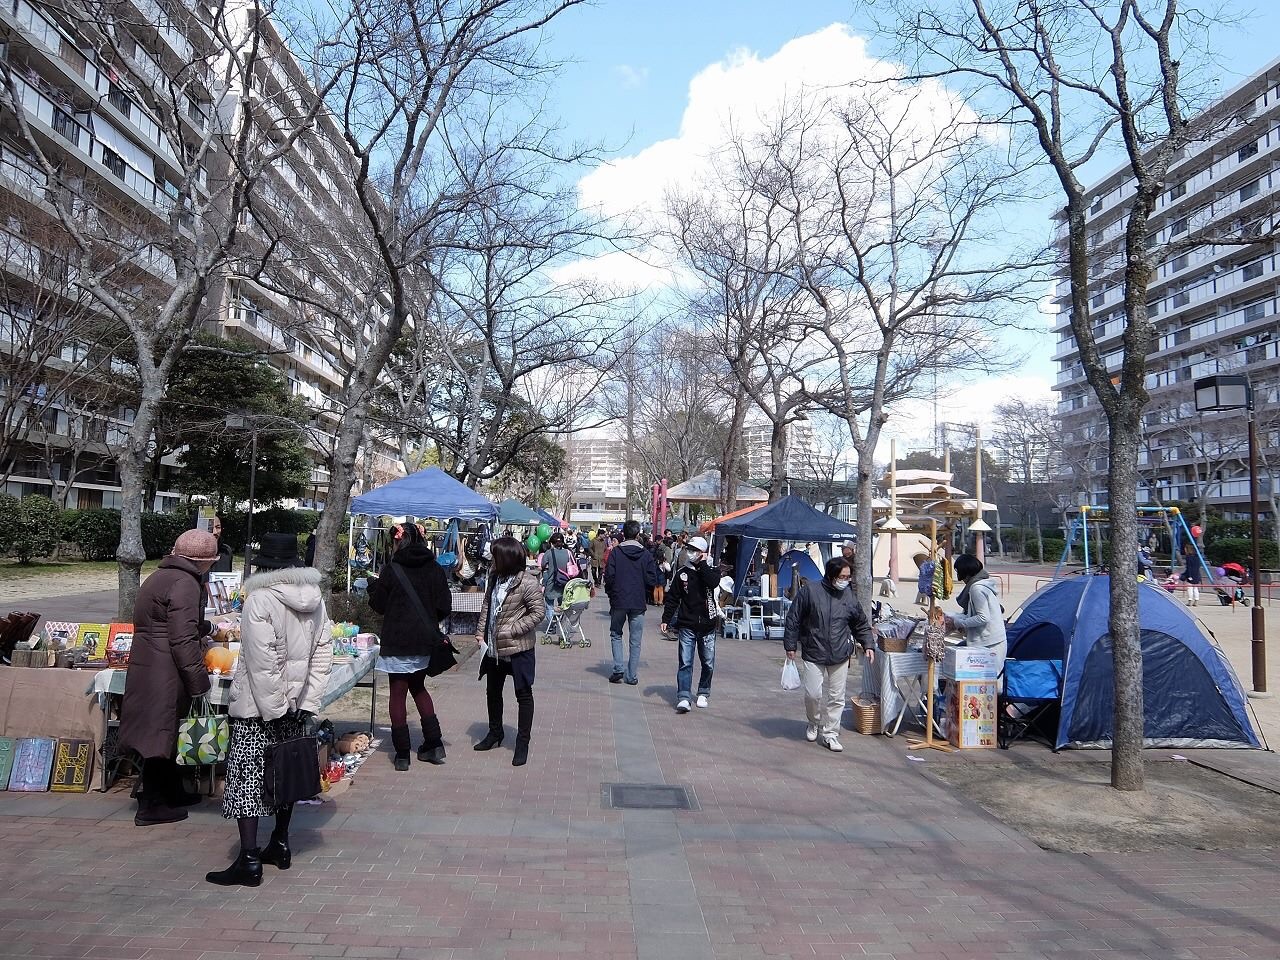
(804, 459)
(1215, 307)
(122, 162)
(596, 477)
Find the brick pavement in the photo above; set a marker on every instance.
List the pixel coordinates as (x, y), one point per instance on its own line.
(795, 852)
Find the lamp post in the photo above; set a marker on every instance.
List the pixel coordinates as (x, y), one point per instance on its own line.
(979, 526)
(239, 422)
(1234, 392)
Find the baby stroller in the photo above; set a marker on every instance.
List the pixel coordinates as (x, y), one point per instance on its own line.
(566, 616)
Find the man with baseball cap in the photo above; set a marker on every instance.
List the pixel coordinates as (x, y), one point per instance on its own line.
(691, 608)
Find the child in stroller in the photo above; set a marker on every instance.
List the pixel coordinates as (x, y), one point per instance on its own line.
(566, 616)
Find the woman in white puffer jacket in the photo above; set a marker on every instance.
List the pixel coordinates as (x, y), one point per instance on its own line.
(286, 650)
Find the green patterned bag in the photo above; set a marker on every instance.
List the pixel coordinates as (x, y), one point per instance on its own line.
(202, 736)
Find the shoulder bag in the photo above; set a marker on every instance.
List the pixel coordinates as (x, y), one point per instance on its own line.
(443, 656)
(291, 771)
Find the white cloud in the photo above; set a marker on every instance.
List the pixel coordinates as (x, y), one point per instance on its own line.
(631, 78)
(743, 89)
(619, 270)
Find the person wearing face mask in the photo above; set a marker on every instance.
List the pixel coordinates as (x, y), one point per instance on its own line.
(690, 607)
(823, 624)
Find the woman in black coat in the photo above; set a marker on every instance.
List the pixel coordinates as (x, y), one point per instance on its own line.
(410, 632)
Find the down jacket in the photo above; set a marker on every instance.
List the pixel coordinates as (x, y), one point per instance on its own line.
(824, 623)
(522, 610)
(166, 664)
(403, 632)
(286, 645)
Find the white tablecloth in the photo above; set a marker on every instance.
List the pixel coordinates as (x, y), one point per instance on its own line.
(343, 676)
(899, 677)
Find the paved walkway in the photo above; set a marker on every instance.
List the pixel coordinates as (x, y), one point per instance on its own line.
(794, 852)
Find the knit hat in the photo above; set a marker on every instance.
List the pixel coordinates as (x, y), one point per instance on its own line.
(197, 545)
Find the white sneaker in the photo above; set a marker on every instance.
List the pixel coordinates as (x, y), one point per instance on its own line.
(811, 733)
(682, 706)
(832, 744)
(702, 701)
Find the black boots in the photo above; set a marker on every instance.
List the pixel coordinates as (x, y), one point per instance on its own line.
(277, 852)
(524, 725)
(400, 743)
(432, 749)
(492, 739)
(521, 756)
(245, 871)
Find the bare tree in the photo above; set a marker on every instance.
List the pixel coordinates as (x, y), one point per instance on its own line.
(1026, 434)
(411, 83)
(1082, 78)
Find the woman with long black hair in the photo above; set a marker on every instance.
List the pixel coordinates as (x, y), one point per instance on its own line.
(513, 608)
(412, 594)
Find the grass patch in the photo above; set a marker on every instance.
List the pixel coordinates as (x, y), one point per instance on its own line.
(12, 570)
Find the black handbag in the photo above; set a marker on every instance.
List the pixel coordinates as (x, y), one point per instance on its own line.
(443, 656)
(291, 772)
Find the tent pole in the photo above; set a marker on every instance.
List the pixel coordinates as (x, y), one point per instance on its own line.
(351, 527)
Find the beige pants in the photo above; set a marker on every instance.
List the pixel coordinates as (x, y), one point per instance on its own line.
(824, 695)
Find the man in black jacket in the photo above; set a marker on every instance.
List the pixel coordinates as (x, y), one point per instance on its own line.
(691, 608)
(629, 577)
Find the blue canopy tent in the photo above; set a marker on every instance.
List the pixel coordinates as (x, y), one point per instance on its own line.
(788, 519)
(1191, 697)
(514, 513)
(428, 493)
(548, 518)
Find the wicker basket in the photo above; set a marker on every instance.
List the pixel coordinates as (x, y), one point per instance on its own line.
(866, 716)
(894, 644)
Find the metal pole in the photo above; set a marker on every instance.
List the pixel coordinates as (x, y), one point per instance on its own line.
(253, 478)
(1258, 617)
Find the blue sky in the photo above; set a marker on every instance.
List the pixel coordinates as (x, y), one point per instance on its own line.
(630, 63)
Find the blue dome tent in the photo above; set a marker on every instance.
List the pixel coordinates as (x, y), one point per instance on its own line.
(1191, 697)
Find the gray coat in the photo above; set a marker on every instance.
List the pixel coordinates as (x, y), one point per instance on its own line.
(824, 623)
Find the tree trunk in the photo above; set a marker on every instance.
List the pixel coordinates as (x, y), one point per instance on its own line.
(1039, 539)
(1127, 736)
(777, 461)
(729, 456)
(342, 472)
(130, 553)
(999, 535)
(865, 486)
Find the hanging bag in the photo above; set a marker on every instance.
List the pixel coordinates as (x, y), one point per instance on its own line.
(443, 656)
(202, 736)
(449, 547)
(291, 771)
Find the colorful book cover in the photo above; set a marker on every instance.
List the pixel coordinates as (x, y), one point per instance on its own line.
(119, 643)
(93, 638)
(60, 633)
(7, 745)
(32, 764)
(72, 766)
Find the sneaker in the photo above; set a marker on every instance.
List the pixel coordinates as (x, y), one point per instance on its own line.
(682, 706)
(702, 701)
(811, 733)
(632, 682)
(832, 744)
(615, 677)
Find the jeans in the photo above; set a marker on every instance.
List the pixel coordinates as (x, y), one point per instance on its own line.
(824, 686)
(706, 644)
(617, 618)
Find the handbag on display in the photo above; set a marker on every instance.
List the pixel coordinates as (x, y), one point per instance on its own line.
(444, 656)
(202, 736)
(291, 771)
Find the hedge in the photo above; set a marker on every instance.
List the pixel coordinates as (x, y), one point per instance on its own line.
(1238, 550)
(28, 527)
(96, 533)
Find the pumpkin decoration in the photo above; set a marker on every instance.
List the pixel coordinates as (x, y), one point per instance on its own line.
(219, 660)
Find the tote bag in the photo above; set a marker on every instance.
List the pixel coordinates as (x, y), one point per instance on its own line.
(202, 736)
(291, 771)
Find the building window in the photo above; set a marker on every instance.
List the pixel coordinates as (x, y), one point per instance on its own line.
(1097, 205)
(1255, 311)
(113, 162)
(1181, 298)
(1180, 263)
(1178, 190)
(1177, 227)
(1247, 151)
(66, 127)
(1099, 300)
(1249, 190)
(1253, 270)
(117, 98)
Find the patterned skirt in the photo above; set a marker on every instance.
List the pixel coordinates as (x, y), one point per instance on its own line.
(246, 759)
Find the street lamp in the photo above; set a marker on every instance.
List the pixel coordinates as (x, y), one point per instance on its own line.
(1233, 392)
(239, 422)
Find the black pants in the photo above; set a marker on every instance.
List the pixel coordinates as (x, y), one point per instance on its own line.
(160, 783)
(520, 668)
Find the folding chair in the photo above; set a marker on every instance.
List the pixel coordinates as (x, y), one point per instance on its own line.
(1032, 688)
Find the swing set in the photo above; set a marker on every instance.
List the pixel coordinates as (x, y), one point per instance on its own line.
(1169, 519)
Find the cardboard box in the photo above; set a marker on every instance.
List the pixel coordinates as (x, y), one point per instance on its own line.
(968, 663)
(971, 714)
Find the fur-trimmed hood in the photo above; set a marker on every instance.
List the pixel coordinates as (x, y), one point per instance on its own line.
(298, 588)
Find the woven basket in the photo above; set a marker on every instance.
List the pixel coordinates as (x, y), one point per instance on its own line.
(866, 716)
(894, 644)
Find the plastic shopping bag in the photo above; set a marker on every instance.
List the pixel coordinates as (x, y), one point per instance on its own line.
(790, 676)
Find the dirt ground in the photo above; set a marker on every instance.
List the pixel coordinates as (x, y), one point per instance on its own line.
(1070, 807)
